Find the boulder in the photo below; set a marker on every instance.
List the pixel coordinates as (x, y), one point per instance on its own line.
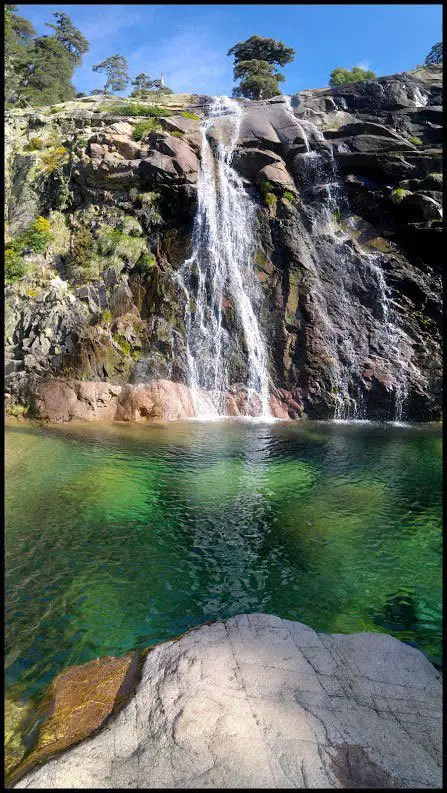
(278, 175)
(248, 162)
(257, 701)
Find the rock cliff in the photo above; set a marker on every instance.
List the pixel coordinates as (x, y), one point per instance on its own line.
(346, 183)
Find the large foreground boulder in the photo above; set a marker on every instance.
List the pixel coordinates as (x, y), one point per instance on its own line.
(261, 702)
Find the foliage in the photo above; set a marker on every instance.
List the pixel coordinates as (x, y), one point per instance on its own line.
(253, 66)
(70, 37)
(145, 263)
(416, 141)
(258, 80)
(122, 343)
(258, 48)
(340, 76)
(116, 70)
(270, 199)
(79, 262)
(47, 77)
(35, 144)
(18, 33)
(53, 159)
(15, 265)
(143, 127)
(146, 87)
(38, 236)
(289, 196)
(139, 110)
(108, 240)
(177, 133)
(399, 194)
(107, 316)
(434, 57)
(265, 187)
(188, 114)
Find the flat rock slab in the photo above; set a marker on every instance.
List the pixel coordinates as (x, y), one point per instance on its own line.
(259, 702)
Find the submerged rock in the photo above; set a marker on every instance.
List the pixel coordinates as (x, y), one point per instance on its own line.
(257, 702)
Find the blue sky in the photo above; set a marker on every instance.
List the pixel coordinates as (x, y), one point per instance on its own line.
(190, 42)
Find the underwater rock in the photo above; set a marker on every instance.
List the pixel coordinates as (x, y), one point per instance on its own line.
(257, 701)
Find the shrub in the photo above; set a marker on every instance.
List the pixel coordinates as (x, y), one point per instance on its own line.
(56, 109)
(145, 263)
(416, 141)
(270, 199)
(38, 237)
(129, 225)
(399, 194)
(107, 316)
(52, 159)
(122, 343)
(264, 188)
(133, 109)
(15, 266)
(108, 240)
(35, 144)
(79, 262)
(145, 126)
(289, 196)
(187, 114)
(177, 133)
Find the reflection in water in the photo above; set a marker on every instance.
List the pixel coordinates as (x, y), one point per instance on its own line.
(124, 536)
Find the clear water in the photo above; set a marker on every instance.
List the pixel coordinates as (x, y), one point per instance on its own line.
(122, 536)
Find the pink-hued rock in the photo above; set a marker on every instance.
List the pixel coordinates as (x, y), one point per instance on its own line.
(160, 400)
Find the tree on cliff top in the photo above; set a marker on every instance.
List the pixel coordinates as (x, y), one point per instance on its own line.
(145, 86)
(434, 57)
(71, 38)
(253, 65)
(47, 77)
(18, 36)
(340, 76)
(116, 69)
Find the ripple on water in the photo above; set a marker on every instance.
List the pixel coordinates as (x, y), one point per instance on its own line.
(123, 536)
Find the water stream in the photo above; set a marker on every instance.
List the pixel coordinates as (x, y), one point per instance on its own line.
(220, 272)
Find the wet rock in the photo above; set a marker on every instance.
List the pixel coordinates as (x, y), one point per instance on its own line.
(78, 703)
(256, 701)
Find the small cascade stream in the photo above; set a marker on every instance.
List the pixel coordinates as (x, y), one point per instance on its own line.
(220, 270)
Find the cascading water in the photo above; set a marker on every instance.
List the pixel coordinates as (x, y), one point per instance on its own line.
(220, 270)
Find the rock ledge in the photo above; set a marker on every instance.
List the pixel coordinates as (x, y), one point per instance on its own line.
(258, 701)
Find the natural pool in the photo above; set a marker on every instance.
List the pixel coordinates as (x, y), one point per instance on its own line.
(121, 536)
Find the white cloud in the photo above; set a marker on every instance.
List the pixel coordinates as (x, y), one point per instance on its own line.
(104, 23)
(190, 59)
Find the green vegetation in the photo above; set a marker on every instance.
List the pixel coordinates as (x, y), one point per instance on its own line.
(340, 76)
(38, 70)
(434, 57)
(35, 144)
(399, 194)
(289, 196)
(177, 134)
(145, 263)
(107, 316)
(34, 240)
(270, 200)
(133, 109)
(145, 87)
(143, 127)
(188, 114)
(416, 141)
(122, 342)
(116, 70)
(254, 60)
(53, 159)
(80, 264)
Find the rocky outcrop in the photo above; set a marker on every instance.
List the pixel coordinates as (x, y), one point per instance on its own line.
(261, 702)
(161, 400)
(347, 189)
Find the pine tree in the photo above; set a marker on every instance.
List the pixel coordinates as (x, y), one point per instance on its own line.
(434, 57)
(47, 78)
(116, 69)
(254, 60)
(72, 39)
(18, 37)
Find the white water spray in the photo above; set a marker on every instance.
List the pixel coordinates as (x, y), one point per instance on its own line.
(220, 270)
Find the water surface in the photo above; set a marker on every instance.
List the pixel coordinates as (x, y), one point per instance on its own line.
(122, 536)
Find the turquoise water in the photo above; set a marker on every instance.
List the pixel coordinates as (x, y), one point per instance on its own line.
(123, 536)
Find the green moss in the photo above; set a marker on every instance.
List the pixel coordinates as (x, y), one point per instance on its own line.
(289, 196)
(106, 315)
(188, 114)
(399, 194)
(35, 144)
(108, 240)
(129, 225)
(143, 127)
(130, 248)
(416, 141)
(56, 109)
(264, 188)
(145, 263)
(177, 133)
(134, 109)
(53, 159)
(270, 199)
(122, 342)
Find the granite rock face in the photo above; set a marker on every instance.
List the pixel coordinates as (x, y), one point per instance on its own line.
(257, 702)
(349, 256)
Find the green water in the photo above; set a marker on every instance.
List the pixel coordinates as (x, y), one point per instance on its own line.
(124, 536)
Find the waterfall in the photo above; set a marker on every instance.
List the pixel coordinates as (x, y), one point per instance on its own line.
(219, 272)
